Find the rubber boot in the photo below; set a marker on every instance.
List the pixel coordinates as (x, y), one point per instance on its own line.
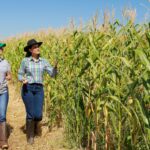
(3, 136)
(37, 129)
(30, 131)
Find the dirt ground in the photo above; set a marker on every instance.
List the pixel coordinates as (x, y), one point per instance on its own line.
(16, 120)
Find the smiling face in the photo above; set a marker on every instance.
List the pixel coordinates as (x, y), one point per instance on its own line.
(35, 50)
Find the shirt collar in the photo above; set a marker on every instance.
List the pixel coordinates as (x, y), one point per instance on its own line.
(31, 59)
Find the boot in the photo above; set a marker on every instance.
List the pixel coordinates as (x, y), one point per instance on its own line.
(3, 136)
(37, 128)
(30, 131)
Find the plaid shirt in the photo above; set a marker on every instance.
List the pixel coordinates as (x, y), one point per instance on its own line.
(33, 71)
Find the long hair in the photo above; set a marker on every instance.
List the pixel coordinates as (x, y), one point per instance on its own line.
(28, 54)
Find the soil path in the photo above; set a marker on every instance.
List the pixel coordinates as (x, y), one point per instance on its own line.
(16, 120)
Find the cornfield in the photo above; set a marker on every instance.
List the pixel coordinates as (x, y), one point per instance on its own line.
(101, 95)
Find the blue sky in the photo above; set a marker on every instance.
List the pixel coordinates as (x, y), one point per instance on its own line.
(20, 16)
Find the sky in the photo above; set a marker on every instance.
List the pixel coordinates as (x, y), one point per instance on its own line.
(21, 16)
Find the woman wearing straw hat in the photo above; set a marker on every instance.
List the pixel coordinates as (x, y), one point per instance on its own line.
(31, 75)
(4, 96)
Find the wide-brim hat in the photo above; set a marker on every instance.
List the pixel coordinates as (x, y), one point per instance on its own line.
(30, 43)
(2, 45)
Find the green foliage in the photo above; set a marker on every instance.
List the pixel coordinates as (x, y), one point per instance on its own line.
(102, 92)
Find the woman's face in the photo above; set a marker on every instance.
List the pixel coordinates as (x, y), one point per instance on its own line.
(35, 50)
(1, 50)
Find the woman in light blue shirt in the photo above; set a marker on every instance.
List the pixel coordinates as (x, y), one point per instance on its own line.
(30, 74)
(4, 96)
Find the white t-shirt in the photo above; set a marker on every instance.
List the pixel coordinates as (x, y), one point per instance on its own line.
(4, 68)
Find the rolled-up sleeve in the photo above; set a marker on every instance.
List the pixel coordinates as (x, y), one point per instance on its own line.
(21, 71)
(49, 69)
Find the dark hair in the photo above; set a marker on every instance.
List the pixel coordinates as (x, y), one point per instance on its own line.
(28, 54)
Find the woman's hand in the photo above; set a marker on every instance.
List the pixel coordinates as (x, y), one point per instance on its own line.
(24, 81)
(8, 76)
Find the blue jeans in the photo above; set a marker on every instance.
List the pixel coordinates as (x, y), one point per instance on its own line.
(33, 97)
(3, 106)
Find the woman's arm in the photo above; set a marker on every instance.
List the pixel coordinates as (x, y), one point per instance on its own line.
(8, 75)
(21, 72)
(52, 71)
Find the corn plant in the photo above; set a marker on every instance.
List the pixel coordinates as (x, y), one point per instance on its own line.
(101, 95)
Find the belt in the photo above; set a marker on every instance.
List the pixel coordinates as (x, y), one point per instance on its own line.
(36, 84)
